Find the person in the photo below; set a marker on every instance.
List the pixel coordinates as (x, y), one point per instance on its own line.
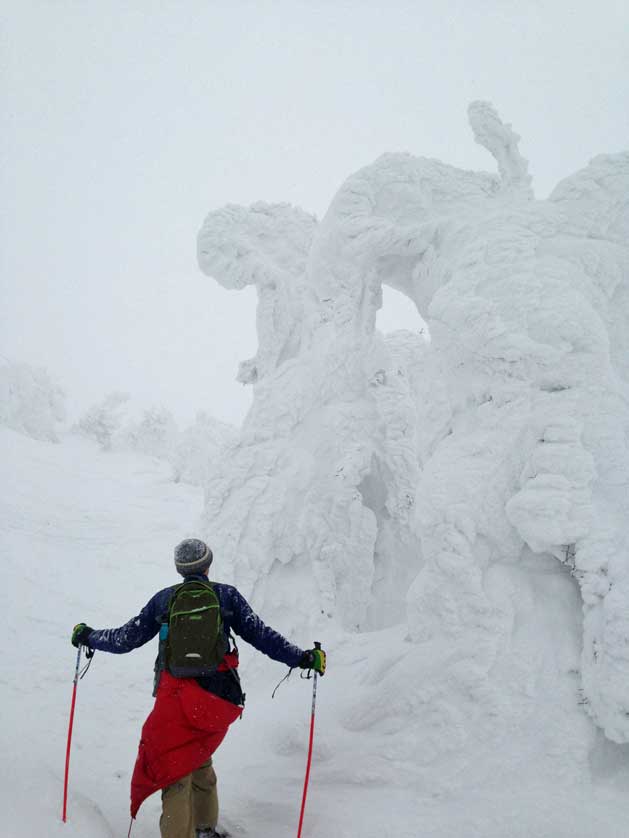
(191, 715)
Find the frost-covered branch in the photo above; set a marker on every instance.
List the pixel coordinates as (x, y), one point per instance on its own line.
(502, 143)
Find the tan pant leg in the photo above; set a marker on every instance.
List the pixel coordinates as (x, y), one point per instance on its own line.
(204, 796)
(176, 820)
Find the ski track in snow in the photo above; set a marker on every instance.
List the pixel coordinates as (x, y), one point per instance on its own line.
(88, 536)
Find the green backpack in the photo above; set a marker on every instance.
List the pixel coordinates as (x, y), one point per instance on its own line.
(194, 641)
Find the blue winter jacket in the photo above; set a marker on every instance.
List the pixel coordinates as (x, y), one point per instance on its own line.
(237, 617)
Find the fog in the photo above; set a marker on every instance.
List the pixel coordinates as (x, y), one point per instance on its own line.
(125, 123)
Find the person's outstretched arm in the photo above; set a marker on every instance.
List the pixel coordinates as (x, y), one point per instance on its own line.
(250, 627)
(133, 634)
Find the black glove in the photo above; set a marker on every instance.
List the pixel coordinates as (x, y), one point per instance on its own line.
(313, 659)
(80, 633)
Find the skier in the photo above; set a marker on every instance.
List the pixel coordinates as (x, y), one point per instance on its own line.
(191, 715)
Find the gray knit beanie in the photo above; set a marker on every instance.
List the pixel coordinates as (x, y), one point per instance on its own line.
(192, 556)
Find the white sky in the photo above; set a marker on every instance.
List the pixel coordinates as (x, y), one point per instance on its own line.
(124, 123)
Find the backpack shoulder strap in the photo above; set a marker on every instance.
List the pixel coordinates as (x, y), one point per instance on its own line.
(171, 601)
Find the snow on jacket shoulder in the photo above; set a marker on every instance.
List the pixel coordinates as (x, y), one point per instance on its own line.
(238, 616)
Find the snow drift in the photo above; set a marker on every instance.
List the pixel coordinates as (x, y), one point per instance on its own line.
(387, 480)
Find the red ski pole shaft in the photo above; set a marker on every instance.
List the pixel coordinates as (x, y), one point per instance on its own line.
(310, 744)
(70, 725)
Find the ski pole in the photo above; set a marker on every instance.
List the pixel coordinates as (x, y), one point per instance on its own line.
(309, 761)
(65, 781)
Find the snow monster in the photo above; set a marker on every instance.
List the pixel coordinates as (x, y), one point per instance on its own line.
(449, 483)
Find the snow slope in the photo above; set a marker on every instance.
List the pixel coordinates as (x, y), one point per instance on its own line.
(88, 535)
(82, 535)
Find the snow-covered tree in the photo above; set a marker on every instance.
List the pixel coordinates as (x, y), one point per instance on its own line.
(199, 447)
(102, 422)
(400, 480)
(31, 400)
(156, 434)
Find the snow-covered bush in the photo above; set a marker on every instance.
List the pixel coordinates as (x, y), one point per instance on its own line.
(191, 453)
(198, 448)
(102, 422)
(31, 401)
(156, 434)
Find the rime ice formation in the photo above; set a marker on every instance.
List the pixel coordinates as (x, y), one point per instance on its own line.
(265, 245)
(395, 480)
(502, 142)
